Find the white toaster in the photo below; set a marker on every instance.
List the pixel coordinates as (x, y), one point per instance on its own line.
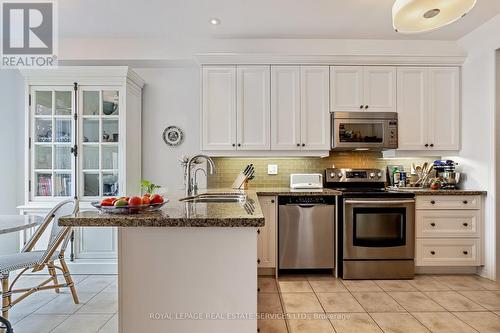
(306, 180)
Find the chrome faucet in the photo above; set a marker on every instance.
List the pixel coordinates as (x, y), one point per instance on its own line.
(189, 177)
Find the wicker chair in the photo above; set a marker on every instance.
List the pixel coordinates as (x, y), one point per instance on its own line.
(5, 326)
(29, 259)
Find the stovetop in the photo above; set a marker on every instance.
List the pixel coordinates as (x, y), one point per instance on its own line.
(361, 183)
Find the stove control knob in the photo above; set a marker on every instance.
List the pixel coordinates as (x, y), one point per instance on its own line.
(379, 175)
(332, 175)
(339, 174)
(372, 175)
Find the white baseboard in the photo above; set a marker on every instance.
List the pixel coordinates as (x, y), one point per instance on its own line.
(89, 266)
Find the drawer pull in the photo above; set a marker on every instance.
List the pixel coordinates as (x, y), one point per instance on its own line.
(465, 252)
(258, 261)
(433, 202)
(433, 224)
(465, 224)
(465, 202)
(258, 231)
(433, 253)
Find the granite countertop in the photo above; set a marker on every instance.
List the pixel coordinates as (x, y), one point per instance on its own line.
(294, 192)
(180, 214)
(428, 191)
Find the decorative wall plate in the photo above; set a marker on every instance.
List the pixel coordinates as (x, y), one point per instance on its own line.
(173, 136)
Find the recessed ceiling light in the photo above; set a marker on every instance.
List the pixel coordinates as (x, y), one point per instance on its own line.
(413, 16)
(214, 21)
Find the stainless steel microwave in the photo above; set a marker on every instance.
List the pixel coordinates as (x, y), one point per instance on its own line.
(364, 130)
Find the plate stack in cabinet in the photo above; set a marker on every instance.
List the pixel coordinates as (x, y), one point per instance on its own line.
(449, 230)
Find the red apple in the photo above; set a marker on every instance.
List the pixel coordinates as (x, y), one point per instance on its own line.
(146, 200)
(156, 199)
(135, 201)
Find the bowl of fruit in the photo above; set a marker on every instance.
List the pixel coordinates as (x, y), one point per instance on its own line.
(131, 205)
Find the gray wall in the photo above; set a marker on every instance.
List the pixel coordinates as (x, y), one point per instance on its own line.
(171, 96)
(11, 149)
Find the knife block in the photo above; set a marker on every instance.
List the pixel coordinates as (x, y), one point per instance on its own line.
(241, 182)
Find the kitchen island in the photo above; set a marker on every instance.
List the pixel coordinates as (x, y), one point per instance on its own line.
(190, 267)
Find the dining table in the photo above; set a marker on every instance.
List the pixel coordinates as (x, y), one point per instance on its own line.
(14, 223)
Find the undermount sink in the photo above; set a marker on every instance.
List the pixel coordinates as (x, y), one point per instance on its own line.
(216, 197)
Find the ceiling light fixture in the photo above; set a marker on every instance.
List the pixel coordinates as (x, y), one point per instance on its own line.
(214, 21)
(414, 16)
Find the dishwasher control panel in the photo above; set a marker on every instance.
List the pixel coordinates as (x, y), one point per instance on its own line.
(307, 200)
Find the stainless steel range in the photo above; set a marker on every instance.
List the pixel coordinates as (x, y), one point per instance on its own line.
(375, 226)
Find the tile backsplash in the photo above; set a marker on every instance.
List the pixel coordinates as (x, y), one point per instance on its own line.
(229, 167)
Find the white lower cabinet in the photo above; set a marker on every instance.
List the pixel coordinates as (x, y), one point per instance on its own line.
(448, 230)
(266, 236)
(448, 252)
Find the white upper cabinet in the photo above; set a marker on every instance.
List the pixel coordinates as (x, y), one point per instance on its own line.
(219, 108)
(253, 108)
(285, 108)
(346, 84)
(363, 88)
(412, 108)
(314, 102)
(428, 108)
(379, 88)
(444, 108)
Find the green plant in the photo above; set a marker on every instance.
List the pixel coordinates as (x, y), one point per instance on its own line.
(148, 187)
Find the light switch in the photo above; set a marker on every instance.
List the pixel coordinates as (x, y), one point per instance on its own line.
(272, 169)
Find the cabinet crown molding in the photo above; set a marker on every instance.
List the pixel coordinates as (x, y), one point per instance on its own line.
(90, 75)
(328, 59)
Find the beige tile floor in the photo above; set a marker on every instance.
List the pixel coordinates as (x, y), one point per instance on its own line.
(295, 304)
(47, 311)
(317, 304)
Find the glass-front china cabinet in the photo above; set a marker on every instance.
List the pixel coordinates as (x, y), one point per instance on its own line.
(83, 139)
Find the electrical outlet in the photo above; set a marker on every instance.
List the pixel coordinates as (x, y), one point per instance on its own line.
(272, 169)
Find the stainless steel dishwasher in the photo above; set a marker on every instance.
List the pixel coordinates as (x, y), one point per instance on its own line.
(306, 232)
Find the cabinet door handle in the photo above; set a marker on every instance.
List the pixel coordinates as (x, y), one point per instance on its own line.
(366, 106)
(234, 144)
(239, 144)
(433, 224)
(465, 252)
(258, 290)
(272, 201)
(361, 106)
(298, 144)
(465, 202)
(426, 145)
(258, 261)
(465, 224)
(433, 202)
(433, 253)
(258, 231)
(432, 145)
(303, 145)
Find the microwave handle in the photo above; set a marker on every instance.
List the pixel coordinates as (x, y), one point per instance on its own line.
(379, 202)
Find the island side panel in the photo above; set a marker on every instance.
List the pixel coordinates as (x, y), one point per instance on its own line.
(169, 272)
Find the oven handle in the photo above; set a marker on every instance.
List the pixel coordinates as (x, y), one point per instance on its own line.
(380, 202)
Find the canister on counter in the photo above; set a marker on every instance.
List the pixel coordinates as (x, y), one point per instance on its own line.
(402, 179)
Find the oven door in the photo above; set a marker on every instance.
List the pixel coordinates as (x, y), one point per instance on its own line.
(379, 228)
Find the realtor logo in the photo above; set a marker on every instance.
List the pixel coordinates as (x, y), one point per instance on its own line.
(28, 33)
